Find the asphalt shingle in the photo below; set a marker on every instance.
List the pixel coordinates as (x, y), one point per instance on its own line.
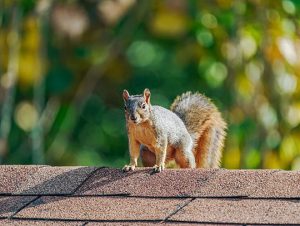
(141, 182)
(11, 176)
(140, 223)
(234, 183)
(194, 183)
(101, 208)
(44, 195)
(280, 184)
(9, 205)
(22, 222)
(245, 211)
(54, 180)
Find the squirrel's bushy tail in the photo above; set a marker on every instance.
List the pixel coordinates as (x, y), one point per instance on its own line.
(205, 125)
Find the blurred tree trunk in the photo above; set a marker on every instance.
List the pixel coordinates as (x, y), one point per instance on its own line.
(37, 133)
(13, 66)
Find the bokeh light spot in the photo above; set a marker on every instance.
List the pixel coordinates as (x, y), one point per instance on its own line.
(244, 88)
(248, 46)
(293, 114)
(142, 53)
(288, 50)
(287, 83)
(288, 6)
(273, 15)
(205, 38)
(209, 20)
(288, 26)
(273, 138)
(254, 71)
(268, 116)
(216, 74)
(288, 149)
(229, 51)
(26, 115)
(170, 23)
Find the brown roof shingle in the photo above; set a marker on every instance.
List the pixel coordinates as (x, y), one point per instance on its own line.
(11, 176)
(9, 205)
(243, 211)
(54, 180)
(101, 208)
(44, 195)
(25, 222)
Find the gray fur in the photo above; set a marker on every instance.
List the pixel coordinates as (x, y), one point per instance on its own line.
(169, 128)
(169, 125)
(178, 132)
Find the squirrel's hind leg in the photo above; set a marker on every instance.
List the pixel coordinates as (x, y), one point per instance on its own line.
(184, 156)
(147, 156)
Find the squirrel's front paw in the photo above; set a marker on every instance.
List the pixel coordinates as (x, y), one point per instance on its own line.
(158, 169)
(127, 168)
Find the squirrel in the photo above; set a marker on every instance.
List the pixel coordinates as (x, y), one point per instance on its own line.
(192, 132)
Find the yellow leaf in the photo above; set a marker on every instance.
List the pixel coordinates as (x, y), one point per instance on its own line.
(232, 158)
(29, 68)
(168, 23)
(271, 160)
(31, 39)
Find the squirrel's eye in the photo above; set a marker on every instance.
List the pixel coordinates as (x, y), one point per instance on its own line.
(143, 106)
(125, 108)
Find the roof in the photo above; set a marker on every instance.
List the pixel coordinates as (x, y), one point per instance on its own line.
(45, 195)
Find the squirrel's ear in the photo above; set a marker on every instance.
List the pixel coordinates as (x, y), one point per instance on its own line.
(147, 95)
(125, 95)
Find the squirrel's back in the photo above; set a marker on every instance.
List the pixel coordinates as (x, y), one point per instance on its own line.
(205, 125)
(166, 121)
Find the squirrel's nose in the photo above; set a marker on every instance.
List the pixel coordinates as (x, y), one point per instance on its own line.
(133, 118)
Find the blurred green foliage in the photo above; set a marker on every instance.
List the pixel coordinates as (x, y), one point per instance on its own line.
(64, 64)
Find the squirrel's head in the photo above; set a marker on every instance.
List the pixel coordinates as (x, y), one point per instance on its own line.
(137, 107)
